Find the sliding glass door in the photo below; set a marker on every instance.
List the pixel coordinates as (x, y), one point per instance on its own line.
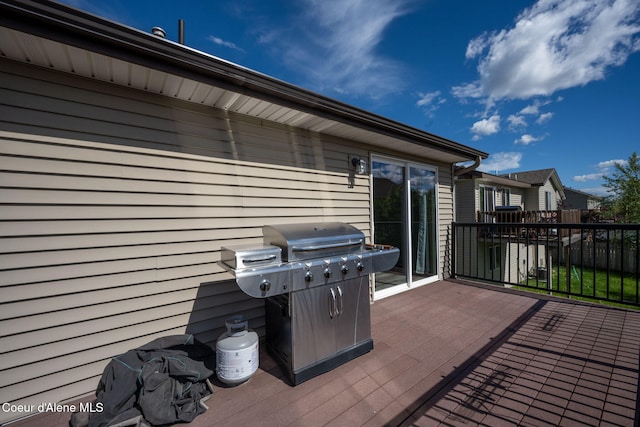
(405, 216)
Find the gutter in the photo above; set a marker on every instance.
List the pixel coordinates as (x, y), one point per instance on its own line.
(471, 168)
(71, 26)
(455, 174)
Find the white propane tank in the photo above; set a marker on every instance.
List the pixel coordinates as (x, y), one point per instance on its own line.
(236, 352)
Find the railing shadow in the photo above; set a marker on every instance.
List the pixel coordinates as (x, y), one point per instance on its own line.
(559, 363)
(444, 386)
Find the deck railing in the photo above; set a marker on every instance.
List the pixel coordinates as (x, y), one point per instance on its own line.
(560, 216)
(593, 261)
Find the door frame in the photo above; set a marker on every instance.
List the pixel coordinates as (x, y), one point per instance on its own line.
(408, 285)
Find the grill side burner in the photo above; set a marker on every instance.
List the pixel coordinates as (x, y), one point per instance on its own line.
(315, 281)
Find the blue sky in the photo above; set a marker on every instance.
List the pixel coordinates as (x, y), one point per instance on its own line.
(536, 84)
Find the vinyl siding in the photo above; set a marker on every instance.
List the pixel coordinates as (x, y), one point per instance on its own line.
(466, 200)
(472, 261)
(445, 219)
(113, 207)
(517, 198)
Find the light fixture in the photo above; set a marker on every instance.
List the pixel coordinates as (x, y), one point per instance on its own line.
(358, 164)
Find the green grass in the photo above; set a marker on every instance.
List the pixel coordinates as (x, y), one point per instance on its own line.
(619, 290)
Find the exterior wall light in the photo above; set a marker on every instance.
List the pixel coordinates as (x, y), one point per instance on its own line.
(358, 165)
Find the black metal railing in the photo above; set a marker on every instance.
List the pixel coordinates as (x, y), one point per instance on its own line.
(560, 216)
(593, 261)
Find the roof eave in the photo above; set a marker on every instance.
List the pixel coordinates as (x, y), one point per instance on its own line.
(68, 25)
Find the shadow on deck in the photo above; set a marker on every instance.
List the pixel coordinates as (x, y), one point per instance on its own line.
(454, 353)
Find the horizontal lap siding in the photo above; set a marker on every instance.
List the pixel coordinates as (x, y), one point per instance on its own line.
(445, 218)
(113, 209)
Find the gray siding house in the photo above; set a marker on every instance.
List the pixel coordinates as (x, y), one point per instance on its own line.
(547, 191)
(480, 195)
(129, 160)
(577, 199)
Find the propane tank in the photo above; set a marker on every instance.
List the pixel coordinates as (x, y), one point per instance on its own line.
(236, 352)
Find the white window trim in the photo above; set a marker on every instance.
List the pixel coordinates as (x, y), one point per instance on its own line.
(406, 164)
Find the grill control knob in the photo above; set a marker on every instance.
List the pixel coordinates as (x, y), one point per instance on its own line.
(309, 276)
(360, 266)
(344, 269)
(265, 286)
(327, 272)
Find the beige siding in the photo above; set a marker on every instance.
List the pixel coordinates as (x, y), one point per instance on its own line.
(114, 206)
(466, 200)
(445, 219)
(517, 197)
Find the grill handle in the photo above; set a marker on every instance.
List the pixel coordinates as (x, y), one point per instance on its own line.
(258, 260)
(327, 246)
(332, 303)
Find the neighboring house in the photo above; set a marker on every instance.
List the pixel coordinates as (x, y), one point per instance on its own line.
(129, 160)
(576, 199)
(483, 192)
(516, 197)
(547, 191)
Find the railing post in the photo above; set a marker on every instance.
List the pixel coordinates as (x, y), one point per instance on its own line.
(452, 273)
(567, 262)
(549, 274)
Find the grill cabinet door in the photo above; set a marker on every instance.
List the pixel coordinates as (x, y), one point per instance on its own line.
(329, 319)
(313, 329)
(354, 320)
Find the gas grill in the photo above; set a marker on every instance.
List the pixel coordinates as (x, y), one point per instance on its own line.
(315, 282)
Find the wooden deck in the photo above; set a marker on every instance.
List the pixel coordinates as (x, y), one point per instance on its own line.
(452, 354)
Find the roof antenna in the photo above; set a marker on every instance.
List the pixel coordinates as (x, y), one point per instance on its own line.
(181, 31)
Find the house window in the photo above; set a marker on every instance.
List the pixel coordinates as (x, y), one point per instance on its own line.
(487, 198)
(405, 216)
(495, 257)
(547, 201)
(506, 196)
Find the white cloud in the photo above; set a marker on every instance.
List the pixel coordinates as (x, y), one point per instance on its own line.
(501, 161)
(335, 46)
(611, 163)
(430, 102)
(427, 98)
(516, 122)
(545, 117)
(486, 127)
(221, 42)
(527, 139)
(530, 109)
(597, 191)
(603, 169)
(554, 45)
(589, 177)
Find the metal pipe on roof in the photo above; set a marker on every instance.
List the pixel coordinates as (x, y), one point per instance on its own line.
(181, 31)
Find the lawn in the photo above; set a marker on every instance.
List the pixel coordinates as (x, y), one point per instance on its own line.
(589, 284)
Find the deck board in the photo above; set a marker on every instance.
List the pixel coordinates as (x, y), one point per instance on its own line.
(454, 353)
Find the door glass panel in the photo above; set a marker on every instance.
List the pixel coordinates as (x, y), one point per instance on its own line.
(388, 217)
(422, 184)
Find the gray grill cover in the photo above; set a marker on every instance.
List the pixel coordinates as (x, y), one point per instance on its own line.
(306, 241)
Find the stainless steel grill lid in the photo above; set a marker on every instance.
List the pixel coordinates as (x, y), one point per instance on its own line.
(301, 242)
(295, 257)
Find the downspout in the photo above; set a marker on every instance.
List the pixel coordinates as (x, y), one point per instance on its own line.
(473, 167)
(455, 174)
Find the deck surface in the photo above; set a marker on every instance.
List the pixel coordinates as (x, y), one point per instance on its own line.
(455, 354)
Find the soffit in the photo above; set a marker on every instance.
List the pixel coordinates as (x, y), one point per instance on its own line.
(60, 56)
